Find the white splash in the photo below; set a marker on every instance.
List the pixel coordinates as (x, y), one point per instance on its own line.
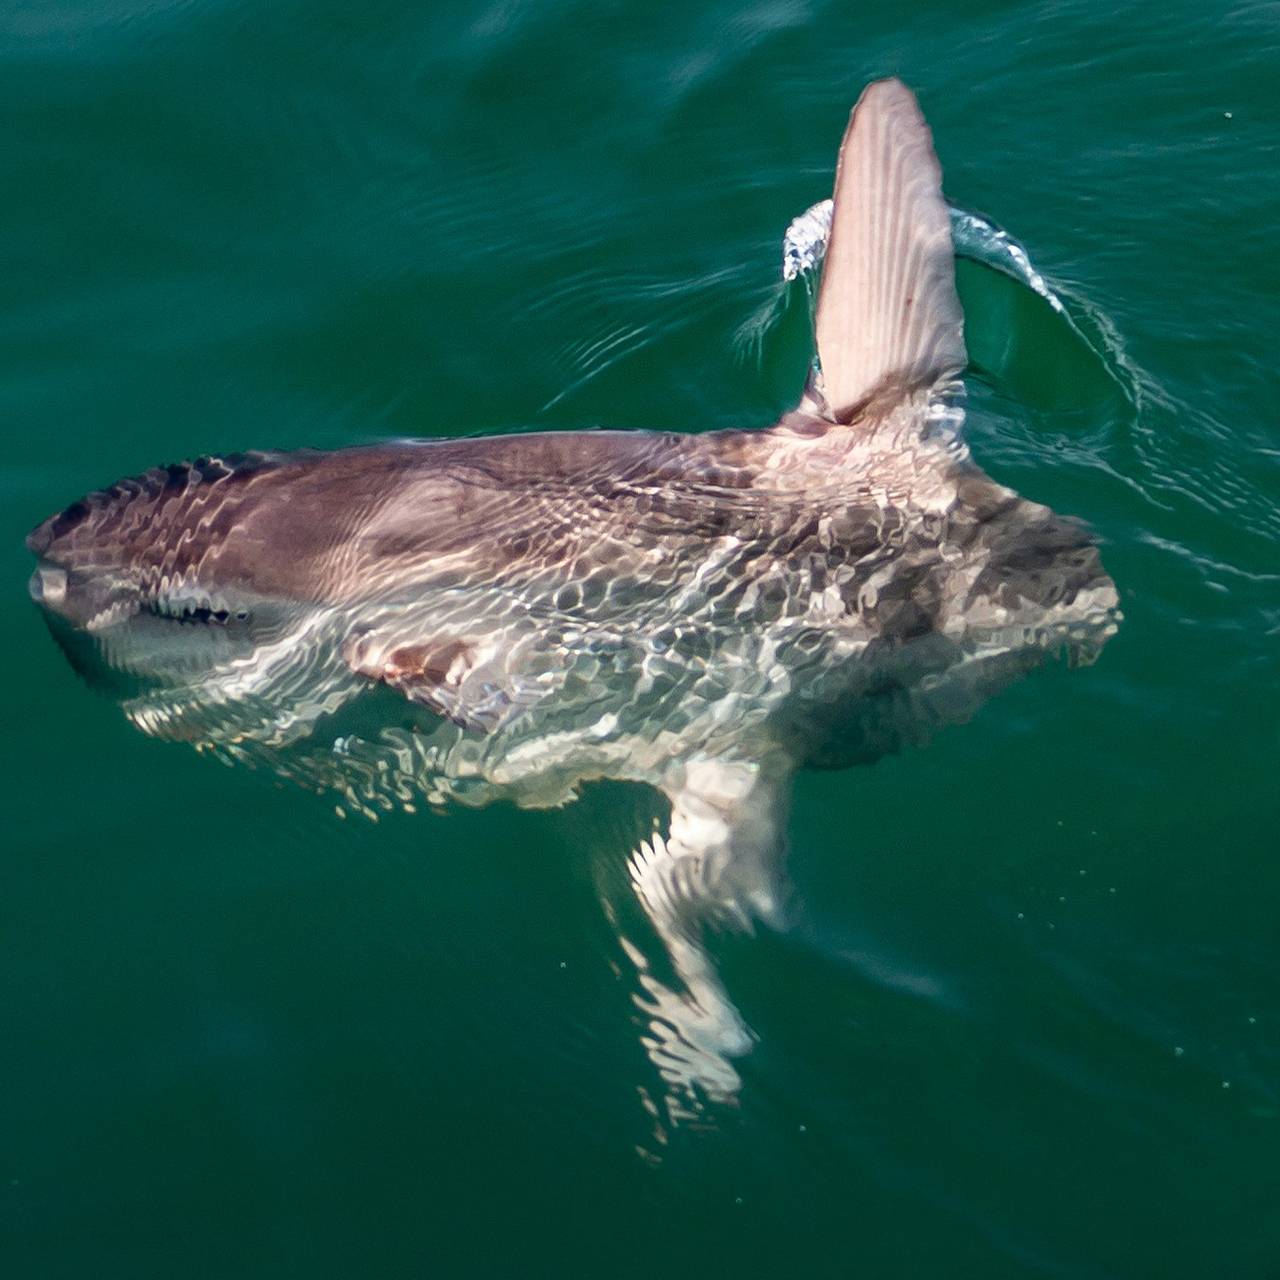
(805, 244)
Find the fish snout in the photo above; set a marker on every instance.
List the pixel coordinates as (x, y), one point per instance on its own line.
(48, 586)
(87, 601)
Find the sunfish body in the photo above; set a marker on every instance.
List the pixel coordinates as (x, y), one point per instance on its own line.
(703, 613)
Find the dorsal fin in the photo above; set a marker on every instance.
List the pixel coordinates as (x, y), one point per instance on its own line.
(888, 314)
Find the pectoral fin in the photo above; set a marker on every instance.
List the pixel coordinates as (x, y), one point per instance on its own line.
(460, 679)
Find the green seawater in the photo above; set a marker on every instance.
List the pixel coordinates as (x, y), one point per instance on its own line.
(1025, 1020)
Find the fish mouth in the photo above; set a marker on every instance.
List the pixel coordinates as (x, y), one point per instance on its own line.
(86, 601)
(48, 586)
(123, 637)
(101, 603)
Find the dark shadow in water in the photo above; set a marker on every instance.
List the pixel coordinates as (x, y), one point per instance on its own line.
(1056, 360)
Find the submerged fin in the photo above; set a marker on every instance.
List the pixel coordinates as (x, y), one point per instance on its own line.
(718, 865)
(888, 315)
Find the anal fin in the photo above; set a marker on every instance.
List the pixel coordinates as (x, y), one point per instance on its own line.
(719, 865)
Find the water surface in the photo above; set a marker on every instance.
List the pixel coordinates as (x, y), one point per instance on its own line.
(1026, 1019)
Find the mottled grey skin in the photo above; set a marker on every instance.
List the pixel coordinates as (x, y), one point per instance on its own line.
(702, 613)
(731, 593)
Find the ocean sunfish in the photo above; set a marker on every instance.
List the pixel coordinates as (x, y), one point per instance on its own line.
(514, 616)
